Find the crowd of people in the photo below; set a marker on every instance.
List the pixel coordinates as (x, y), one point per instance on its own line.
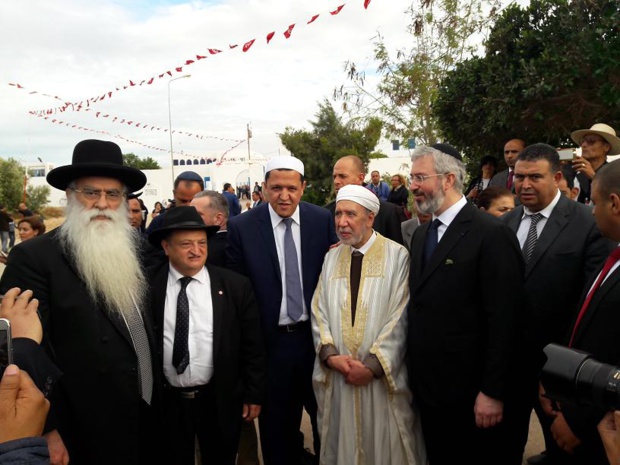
(408, 322)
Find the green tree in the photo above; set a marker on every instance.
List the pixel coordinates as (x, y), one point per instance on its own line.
(443, 33)
(11, 183)
(329, 139)
(134, 161)
(549, 68)
(37, 197)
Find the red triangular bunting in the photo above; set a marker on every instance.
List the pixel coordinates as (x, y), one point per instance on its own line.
(200, 57)
(214, 51)
(270, 36)
(366, 3)
(247, 45)
(179, 69)
(289, 31)
(336, 11)
(232, 46)
(189, 62)
(313, 19)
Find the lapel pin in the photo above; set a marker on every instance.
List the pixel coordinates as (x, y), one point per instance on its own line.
(449, 262)
(220, 293)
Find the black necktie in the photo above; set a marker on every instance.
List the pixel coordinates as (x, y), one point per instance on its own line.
(356, 273)
(180, 349)
(431, 240)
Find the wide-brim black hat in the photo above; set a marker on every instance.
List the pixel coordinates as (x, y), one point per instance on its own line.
(180, 218)
(97, 158)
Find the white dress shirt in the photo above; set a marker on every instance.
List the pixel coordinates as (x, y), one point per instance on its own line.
(278, 233)
(448, 216)
(200, 340)
(526, 220)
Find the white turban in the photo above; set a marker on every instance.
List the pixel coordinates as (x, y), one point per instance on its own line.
(285, 163)
(359, 195)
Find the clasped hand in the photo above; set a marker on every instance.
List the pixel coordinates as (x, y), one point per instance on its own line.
(354, 371)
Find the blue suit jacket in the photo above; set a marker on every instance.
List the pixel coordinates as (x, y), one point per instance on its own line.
(251, 251)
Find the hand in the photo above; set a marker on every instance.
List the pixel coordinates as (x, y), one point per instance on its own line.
(546, 403)
(22, 313)
(581, 165)
(359, 374)
(488, 411)
(23, 408)
(250, 412)
(473, 193)
(563, 435)
(609, 429)
(58, 452)
(339, 363)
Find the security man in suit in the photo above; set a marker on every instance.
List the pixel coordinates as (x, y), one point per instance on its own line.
(562, 246)
(280, 246)
(464, 318)
(210, 344)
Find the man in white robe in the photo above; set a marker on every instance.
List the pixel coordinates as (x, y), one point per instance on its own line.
(360, 377)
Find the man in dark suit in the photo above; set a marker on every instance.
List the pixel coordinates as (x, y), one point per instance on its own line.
(280, 246)
(350, 170)
(565, 248)
(505, 178)
(186, 185)
(595, 328)
(464, 318)
(213, 209)
(87, 277)
(210, 344)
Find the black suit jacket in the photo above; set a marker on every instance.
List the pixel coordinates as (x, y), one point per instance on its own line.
(387, 222)
(217, 249)
(570, 248)
(97, 401)
(464, 312)
(239, 374)
(598, 334)
(251, 251)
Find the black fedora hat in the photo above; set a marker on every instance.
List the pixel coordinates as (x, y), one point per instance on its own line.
(97, 158)
(180, 218)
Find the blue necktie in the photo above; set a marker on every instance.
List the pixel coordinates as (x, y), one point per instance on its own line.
(294, 296)
(431, 240)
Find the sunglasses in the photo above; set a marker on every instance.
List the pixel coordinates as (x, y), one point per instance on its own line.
(591, 140)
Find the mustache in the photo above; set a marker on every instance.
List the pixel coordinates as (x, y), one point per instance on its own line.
(94, 213)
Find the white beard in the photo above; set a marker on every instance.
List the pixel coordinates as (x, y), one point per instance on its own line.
(106, 255)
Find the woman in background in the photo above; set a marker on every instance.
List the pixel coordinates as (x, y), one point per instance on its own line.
(28, 227)
(157, 209)
(496, 200)
(488, 167)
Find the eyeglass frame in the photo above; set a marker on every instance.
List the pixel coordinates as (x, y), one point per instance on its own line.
(87, 192)
(420, 178)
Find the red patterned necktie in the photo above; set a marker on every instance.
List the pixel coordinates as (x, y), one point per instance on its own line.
(611, 261)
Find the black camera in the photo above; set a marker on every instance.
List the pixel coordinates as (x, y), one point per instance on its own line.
(574, 377)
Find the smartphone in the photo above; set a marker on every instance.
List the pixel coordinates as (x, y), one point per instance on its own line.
(566, 154)
(6, 345)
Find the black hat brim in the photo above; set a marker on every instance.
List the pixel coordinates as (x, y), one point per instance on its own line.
(156, 236)
(132, 178)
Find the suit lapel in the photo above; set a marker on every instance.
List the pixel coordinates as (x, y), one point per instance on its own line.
(218, 300)
(457, 229)
(515, 218)
(268, 239)
(158, 296)
(612, 280)
(417, 251)
(555, 224)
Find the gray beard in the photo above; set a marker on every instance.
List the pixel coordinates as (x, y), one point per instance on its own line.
(105, 254)
(431, 204)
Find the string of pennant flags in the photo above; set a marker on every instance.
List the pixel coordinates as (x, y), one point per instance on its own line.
(85, 104)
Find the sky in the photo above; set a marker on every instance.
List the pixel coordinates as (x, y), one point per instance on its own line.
(78, 50)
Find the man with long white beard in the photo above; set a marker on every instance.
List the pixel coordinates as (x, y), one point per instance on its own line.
(87, 277)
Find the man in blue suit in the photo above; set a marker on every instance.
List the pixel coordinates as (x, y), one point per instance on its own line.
(261, 243)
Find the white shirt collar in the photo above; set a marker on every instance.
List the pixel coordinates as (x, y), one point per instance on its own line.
(448, 216)
(277, 219)
(363, 249)
(174, 275)
(546, 212)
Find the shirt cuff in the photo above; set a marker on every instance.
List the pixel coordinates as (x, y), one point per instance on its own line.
(374, 365)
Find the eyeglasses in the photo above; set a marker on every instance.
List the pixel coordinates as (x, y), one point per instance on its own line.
(420, 178)
(113, 195)
(591, 140)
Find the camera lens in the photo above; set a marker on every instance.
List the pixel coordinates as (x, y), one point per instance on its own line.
(598, 385)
